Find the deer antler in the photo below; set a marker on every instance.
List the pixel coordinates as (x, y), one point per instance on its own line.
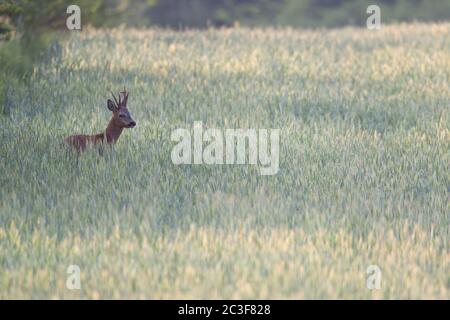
(117, 103)
(125, 96)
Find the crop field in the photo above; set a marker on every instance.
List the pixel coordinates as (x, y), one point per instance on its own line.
(363, 180)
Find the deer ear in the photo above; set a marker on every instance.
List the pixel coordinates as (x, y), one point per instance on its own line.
(111, 105)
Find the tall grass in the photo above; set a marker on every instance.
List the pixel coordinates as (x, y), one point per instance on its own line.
(364, 167)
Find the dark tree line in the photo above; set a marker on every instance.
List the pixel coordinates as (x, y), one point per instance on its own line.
(21, 15)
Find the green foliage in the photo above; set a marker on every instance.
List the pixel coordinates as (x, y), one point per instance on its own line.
(15, 68)
(19, 57)
(30, 15)
(31, 22)
(363, 178)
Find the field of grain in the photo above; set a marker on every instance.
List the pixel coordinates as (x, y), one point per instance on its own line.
(364, 173)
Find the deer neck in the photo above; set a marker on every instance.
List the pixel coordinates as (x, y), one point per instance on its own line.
(112, 132)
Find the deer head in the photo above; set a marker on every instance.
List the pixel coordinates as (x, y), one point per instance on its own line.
(121, 115)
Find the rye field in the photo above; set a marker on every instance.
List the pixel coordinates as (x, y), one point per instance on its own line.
(363, 180)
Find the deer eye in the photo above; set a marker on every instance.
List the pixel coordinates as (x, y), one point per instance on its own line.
(122, 116)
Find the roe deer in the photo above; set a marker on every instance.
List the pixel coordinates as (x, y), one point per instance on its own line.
(121, 119)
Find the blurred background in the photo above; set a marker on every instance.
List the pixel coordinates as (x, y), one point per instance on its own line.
(204, 13)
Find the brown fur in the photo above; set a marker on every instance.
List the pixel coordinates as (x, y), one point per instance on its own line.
(121, 119)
